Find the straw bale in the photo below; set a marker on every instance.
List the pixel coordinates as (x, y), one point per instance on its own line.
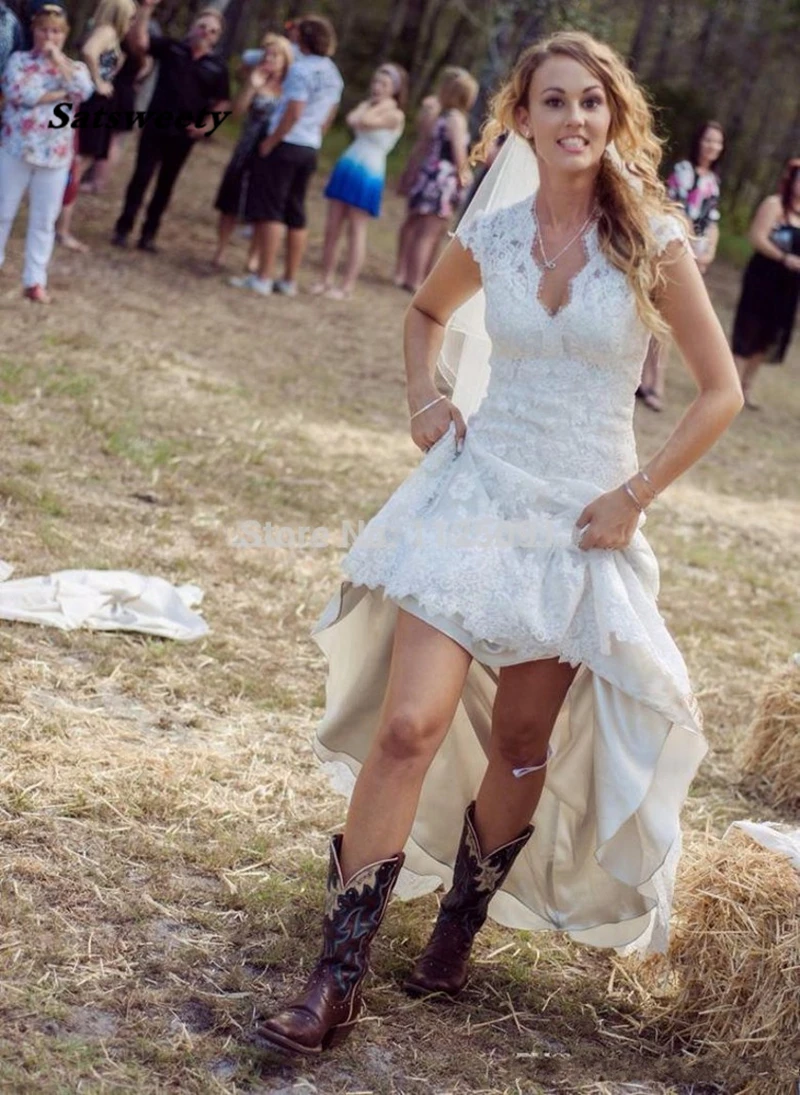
(734, 958)
(770, 754)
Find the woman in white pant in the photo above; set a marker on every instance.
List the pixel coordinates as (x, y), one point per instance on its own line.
(33, 156)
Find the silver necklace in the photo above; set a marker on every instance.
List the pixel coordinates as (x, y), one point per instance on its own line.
(550, 264)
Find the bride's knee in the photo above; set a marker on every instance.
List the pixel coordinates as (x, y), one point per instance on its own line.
(521, 746)
(410, 735)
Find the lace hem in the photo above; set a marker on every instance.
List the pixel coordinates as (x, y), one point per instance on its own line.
(571, 648)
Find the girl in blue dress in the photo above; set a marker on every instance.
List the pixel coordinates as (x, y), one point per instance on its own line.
(355, 188)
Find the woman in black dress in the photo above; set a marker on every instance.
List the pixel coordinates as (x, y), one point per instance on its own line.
(136, 67)
(103, 56)
(771, 286)
(256, 103)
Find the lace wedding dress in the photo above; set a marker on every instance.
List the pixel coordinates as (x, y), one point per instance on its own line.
(482, 544)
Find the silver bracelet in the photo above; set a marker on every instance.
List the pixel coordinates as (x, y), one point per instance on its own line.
(649, 482)
(626, 486)
(428, 406)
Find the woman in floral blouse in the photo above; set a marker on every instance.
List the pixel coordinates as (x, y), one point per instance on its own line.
(34, 157)
(694, 185)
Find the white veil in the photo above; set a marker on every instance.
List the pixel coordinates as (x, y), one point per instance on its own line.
(464, 359)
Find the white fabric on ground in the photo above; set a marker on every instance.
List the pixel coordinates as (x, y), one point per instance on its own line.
(103, 600)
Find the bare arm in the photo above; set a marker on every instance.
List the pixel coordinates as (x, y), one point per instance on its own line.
(455, 278)
(254, 83)
(613, 517)
(685, 305)
(53, 97)
(77, 81)
(458, 133)
(355, 116)
(378, 116)
(291, 116)
(101, 39)
(148, 64)
(139, 34)
(429, 111)
(767, 216)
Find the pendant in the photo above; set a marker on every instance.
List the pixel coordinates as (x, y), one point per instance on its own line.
(550, 265)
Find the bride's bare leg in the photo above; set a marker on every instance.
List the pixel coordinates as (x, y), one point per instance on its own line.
(425, 683)
(528, 700)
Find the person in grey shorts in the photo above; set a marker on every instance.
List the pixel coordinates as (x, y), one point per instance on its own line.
(276, 195)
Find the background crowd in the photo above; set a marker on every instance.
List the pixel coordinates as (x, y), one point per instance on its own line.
(289, 92)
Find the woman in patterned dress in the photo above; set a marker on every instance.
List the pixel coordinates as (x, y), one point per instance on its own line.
(694, 184)
(436, 193)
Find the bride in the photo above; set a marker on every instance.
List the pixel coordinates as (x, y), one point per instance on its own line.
(524, 672)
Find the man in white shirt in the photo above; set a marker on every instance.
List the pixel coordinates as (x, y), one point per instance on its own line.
(279, 179)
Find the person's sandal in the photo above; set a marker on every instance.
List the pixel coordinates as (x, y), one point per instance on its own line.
(335, 293)
(37, 294)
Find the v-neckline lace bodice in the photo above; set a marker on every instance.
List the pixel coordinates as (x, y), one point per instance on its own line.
(561, 389)
(587, 243)
(591, 249)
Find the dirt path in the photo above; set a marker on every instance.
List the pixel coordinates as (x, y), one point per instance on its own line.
(163, 822)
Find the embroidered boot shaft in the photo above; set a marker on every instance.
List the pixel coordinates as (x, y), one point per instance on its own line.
(443, 965)
(327, 1009)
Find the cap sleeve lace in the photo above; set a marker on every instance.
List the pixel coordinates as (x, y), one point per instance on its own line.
(473, 237)
(667, 227)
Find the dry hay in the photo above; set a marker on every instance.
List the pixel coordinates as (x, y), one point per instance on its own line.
(734, 959)
(770, 754)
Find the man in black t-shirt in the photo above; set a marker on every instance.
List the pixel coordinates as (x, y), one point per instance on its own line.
(192, 82)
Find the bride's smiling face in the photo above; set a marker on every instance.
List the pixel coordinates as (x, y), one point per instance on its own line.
(567, 117)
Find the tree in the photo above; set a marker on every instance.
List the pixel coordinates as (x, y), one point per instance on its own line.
(644, 30)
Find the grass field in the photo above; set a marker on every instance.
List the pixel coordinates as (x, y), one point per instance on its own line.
(163, 821)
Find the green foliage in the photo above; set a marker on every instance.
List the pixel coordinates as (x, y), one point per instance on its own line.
(733, 247)
(678, 111)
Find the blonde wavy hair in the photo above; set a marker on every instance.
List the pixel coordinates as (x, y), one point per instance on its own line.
(458, 89)
(629, 191)
(118, 14)
(283, 47)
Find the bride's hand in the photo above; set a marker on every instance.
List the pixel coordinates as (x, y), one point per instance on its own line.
(610, 521)
(433, 423)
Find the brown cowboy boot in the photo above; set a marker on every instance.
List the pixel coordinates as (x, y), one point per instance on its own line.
(442, 966)
(328, 1008)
